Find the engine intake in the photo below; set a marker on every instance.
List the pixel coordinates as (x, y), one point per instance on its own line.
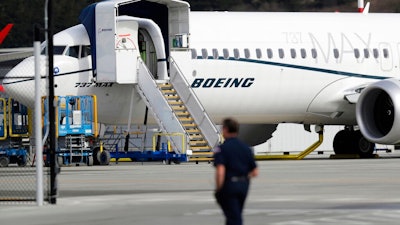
(377, 112)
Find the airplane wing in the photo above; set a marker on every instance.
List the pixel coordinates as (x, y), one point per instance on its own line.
(11, 57)
(8, 54)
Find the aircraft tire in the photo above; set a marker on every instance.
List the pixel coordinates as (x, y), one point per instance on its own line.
(362, 146)
(342, 143)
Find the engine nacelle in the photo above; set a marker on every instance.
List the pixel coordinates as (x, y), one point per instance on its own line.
(378, 112)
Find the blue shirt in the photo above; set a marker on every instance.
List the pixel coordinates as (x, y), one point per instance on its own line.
(236, 156)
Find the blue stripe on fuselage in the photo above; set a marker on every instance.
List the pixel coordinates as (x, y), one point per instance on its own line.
(43, 77)
(314, 69)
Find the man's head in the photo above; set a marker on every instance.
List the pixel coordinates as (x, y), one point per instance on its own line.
(230, 128)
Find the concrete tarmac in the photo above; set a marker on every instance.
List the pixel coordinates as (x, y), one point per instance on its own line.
(316, 191)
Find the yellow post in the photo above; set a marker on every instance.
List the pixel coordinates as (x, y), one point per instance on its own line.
(169, 143)
(4, 118)
(95, 122)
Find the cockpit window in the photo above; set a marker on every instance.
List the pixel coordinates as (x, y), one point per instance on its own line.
(73, 51)
(57, 50)
(86, 51)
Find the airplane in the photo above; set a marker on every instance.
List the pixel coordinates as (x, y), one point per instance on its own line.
(261, 68)
(4, 32)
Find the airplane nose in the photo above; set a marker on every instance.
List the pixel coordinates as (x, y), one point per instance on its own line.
(19, 82)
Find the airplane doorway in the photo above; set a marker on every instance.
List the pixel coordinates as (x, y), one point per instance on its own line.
(148, 51)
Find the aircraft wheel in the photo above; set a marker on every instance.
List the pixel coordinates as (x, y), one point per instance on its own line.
(362, 146)
(342, 143)
(4, 161)
(104, 157)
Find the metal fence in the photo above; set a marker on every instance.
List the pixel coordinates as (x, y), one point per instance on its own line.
(18, 184)
(18, 171)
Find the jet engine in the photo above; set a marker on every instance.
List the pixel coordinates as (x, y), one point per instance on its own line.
(378, 112)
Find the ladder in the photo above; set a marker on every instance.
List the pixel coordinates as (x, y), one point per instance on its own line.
(178, 110)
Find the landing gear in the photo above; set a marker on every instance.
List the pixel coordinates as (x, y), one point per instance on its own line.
(342, 143)
(352, 142)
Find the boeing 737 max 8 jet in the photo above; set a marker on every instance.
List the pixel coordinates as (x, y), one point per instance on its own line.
(261, 68)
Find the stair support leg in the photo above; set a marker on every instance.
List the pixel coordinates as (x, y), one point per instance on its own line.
(301, 155)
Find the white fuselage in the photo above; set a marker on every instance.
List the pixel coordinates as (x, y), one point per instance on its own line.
(257, 67)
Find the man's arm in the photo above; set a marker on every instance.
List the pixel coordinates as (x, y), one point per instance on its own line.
(253, 173)
(219, 176)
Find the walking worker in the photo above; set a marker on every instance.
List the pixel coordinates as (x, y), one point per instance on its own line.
(235, 165)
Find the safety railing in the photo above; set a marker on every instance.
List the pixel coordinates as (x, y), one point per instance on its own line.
(194, 106)
(178, 138)
(156, 102)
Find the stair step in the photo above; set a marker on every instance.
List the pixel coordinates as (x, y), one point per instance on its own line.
(172, 97)
(189, 125)
(202, 154)
(196, 138)
(169, 92)
(198, 142)
(186, 119)
(174, 102)
(201, 159)
(201, 148)
(191, 131)
(179, 108)
(185, 113)
(165, 86)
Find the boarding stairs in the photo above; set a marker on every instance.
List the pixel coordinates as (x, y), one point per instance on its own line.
(178, 110)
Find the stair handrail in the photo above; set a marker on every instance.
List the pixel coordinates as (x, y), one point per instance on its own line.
(193, 104)
(146, 81)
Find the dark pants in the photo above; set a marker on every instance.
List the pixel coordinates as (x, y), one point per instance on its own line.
(231, 199)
